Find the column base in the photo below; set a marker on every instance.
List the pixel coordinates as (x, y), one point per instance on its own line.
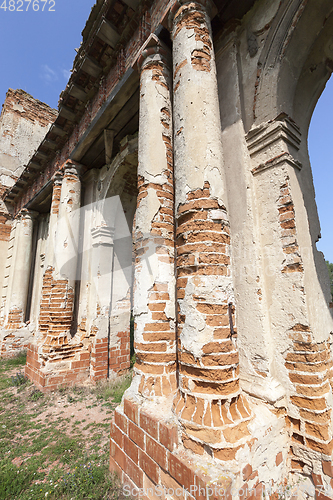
(148, 455)
(14, 341)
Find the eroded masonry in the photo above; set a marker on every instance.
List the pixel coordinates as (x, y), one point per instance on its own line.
(172, 190)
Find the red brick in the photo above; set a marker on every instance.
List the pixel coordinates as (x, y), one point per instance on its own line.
(278, 459)
(131, 449)
(149, 424)
(120, 421)
(320, 496)
(180, 472)
(136, 434)
(131, 410)
(327, 468)
(114, 467)
(149, 467)
(134, 472)
(156, 452)
(118, 455)
(244, 491)
(317, 479)
(117, 435)
(247, 471)
(256, 493)
(168, 436)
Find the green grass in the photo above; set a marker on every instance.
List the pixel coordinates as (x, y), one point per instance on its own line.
(19, 360)
(43, 459)
(112, 391)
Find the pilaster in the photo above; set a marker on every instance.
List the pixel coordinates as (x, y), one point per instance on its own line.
(302, 359)
(20, 270)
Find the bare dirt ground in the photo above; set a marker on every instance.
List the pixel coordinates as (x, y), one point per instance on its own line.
(55, 445)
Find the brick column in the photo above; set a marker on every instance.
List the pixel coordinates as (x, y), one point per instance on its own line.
(209, 405)
(57, 303)
(20, 269)
(154, 289)
(55, 358)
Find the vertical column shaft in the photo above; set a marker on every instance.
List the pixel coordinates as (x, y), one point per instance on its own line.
(209, 394)
(68, 227)
(57, 304)
(20, 269)
(154, 289)
(87, 293)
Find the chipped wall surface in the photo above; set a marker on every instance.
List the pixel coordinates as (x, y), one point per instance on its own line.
(24, 122)
(201, 230)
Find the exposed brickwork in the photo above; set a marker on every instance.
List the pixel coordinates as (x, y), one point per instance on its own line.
(142, 446)
(77, 371)
(203, 250)
(119, 356)
(55, 346)
(56, 309)
(156, 339)
(146, 453)
(308, 362)
(13, 343)
(309, 367)
(25, 106)
(293, 262)
(15, 319)
(5, 225)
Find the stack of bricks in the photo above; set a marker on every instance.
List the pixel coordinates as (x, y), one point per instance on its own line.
(119, 357)
(288, 226)
(15, 319)
(55, 321)
(155, 360)
(99, 359)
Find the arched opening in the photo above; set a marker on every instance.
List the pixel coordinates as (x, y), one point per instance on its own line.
(320, 147)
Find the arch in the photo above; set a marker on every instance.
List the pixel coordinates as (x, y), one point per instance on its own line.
(296, 61)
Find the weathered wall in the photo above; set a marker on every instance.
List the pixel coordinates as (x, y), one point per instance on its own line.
(24, 121)
(255, 193)
(83, 275)
(233, 381)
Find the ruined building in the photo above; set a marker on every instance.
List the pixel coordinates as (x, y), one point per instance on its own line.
(180, 152)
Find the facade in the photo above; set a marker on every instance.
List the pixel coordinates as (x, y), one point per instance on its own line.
(180, 152)
(24, 122)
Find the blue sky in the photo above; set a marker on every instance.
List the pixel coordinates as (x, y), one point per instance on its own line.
(320, 144)
(37, 47)
(37, 52)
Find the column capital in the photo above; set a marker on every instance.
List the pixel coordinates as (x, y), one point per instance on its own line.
(183, 7)
(25, 214)
(273, 143)
(57, 178)
(71, 167)
(153, 48)
(102, 236)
